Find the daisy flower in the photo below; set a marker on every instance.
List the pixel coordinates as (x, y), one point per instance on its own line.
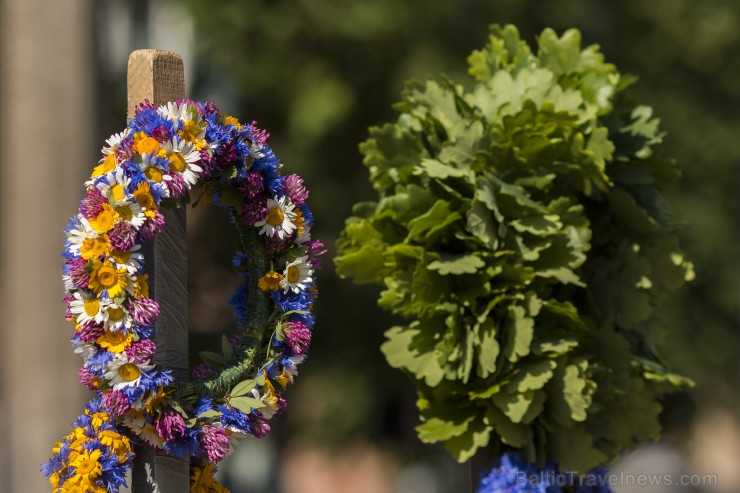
(123, 373)
(113, 186)
(79, 231)
(117, 318)
(297, 275)
(128, 259)
(279, 220)
(184, 159)
(114, 141)
(131, 212)
(135, 418)
(86, 307)
(152, 169)
(175, 111)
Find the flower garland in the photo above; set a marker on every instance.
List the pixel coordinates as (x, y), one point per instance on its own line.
(162, 156)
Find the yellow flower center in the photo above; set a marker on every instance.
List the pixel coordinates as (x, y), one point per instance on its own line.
(86, 467)
(92, 307)
(177, 163)
(148, 145)
(121, 256)
(294, 274)
(107, 276)
(143, 196)
(125, 212)
(118, 192)
(104, 221)
(154, 174)
(129, 372)
(115, 336)
(115, 314)
(275, 216)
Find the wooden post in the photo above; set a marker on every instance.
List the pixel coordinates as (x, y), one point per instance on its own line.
(158, 76)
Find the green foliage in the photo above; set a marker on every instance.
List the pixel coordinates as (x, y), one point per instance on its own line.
(520, 228)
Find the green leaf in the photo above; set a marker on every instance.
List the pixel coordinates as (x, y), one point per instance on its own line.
(400, 352)
(246, 404)
(435, 429)
(456, 265)
(513, 434)
(245, 387)
(532, 376)
(226, 348)
(436, 169)
(487, 348)
(480, 223)
(464, 446)
(515, 405)
(575, 449)
(420, 225)
(520, 331)
(211, 357)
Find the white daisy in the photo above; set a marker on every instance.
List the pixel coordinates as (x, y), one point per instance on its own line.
(130, 260)
(124, 373)
(304, 236)
(80, 232)
(84, 350)
(297, 275)
(117, 318)
(151, 169)
(114, 141)
(175, 111)
(88, 308)
(280, 217)
(149, 434)
(135, 419)
(131, 211)
(184, 159)
(113, 186)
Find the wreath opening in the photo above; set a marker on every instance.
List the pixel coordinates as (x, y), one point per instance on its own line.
(164, 156)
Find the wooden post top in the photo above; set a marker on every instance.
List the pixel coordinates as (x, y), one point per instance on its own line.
(156, 75)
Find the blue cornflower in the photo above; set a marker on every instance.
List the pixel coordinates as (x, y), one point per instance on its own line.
(511, 474)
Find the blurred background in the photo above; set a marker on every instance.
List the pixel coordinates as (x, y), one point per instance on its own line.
(316, 74)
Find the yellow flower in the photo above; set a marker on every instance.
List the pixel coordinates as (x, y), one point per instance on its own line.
(193, 132)
(104, 221)
(202, 480)
(119, 444)
(157, 400)
(144, 144)
(108, 164)
(230, 120)
(87, 467)
(143, 196)
(141, 286)
(104, 276)
(94, 247)
(270, 281)
(115, 341)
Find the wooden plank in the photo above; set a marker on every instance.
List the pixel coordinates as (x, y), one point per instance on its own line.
(158, 76)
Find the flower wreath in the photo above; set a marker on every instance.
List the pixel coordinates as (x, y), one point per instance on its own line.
(163, 155)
